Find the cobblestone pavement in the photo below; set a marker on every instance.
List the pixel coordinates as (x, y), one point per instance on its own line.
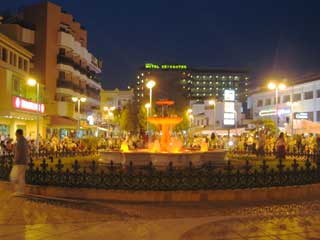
(37, 218)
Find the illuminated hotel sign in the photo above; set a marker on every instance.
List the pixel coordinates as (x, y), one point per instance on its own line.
(165, 66)
(24, 104)
(301, 115)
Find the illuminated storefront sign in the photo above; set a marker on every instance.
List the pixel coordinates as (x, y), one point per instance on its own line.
(272, 112)
(24, 104)
(229, 95)
(301, 115)
(229, 107)
(165, 66)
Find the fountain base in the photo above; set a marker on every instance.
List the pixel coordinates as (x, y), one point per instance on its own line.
(162, 160)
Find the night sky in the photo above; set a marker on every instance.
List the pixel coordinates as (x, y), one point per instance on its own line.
(270, 38)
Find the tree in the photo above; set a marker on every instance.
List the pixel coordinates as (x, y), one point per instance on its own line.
(142, 118)
(184, 125)
(128, 118)
(268, 124)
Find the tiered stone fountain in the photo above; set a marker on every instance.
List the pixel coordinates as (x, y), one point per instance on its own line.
(167, 150)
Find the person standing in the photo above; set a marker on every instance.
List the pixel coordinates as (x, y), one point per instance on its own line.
(21, 157)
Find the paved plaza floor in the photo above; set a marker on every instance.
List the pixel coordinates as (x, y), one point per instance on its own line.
(32, 218)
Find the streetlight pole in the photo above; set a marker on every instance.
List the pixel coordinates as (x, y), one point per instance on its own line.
(79, 100)
(150, 84)
(276, 87)
(147, 106)
(33, 82)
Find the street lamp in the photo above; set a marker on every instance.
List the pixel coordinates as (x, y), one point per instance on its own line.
(79, 100)
(276, 87)
(147, 106)
(32, 82)
(213, 103)
(150, 84)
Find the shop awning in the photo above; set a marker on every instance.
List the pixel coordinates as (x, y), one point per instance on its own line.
(57, 121)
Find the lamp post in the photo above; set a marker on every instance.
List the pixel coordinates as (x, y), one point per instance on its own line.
(109, 110)
(150, 84)
(213, 103)
(147, 106)
(32, 82)
(79, 101)
(276, 87)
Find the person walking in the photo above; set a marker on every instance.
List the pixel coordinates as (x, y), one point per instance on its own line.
(281, 147)
(21, 157)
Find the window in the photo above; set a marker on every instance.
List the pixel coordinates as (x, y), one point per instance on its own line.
(274, 100)
(259, 103)
(62, 76)
(318, 116)
(308, 95)
(4, 54)
(296, 97)
(25, 65)
(267, 102)
(318, 93)
(310, 116)
(286, 99)
(11, 58)
(20, 63)
(62, 51)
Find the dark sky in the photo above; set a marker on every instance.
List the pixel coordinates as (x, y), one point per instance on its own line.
(271, 38)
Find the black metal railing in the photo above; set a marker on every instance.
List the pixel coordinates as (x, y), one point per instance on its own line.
(206, 177)
(63, 153)
(294, 154)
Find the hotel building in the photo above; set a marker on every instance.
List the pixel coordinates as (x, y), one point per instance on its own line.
(61, 63)
(182, 84)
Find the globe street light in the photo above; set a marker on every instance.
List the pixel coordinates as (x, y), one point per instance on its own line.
(32, 82)
(150, 84)
(276, 87)
(79, 101)
(213, 103)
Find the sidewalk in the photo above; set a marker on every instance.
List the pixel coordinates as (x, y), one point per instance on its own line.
(36, 218)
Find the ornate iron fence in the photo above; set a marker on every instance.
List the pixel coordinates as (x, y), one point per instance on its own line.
(307, 155)
(132, 177)
(55, 154)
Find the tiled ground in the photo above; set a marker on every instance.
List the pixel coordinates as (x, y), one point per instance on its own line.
(35, 218)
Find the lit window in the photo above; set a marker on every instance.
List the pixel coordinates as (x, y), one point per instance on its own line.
(198, 76)
(138, 76)
(142, 80)
(142, 74)
(204, 88)
(204, 82)
(210, 76)
(217, 76)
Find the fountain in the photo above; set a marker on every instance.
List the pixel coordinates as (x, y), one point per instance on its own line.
(167, 149)
(165, 122)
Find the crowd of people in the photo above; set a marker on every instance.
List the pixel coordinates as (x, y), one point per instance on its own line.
(261, 143)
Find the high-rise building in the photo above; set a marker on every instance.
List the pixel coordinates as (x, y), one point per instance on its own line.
(61, 63)
(182, 83)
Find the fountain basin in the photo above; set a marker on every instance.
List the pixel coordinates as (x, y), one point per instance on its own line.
(162, 160)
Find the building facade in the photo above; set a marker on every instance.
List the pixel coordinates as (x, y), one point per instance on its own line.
(18, 108)
(61, 63)
(183, 84)
(298, 101)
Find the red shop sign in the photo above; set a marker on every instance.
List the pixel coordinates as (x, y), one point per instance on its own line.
(24, 104)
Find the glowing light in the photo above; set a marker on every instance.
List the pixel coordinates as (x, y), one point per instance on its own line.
(31, 82)
(211, 102)
(147, 105)
(150, 84)
(74, 99)
(25, 104)
(83, 99)
(272, 86)
(282, 86)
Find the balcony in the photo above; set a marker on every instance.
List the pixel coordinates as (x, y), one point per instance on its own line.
(61, 59)
(63, 83)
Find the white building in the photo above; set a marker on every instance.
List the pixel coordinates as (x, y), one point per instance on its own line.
(299, 101)
(205, 115)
